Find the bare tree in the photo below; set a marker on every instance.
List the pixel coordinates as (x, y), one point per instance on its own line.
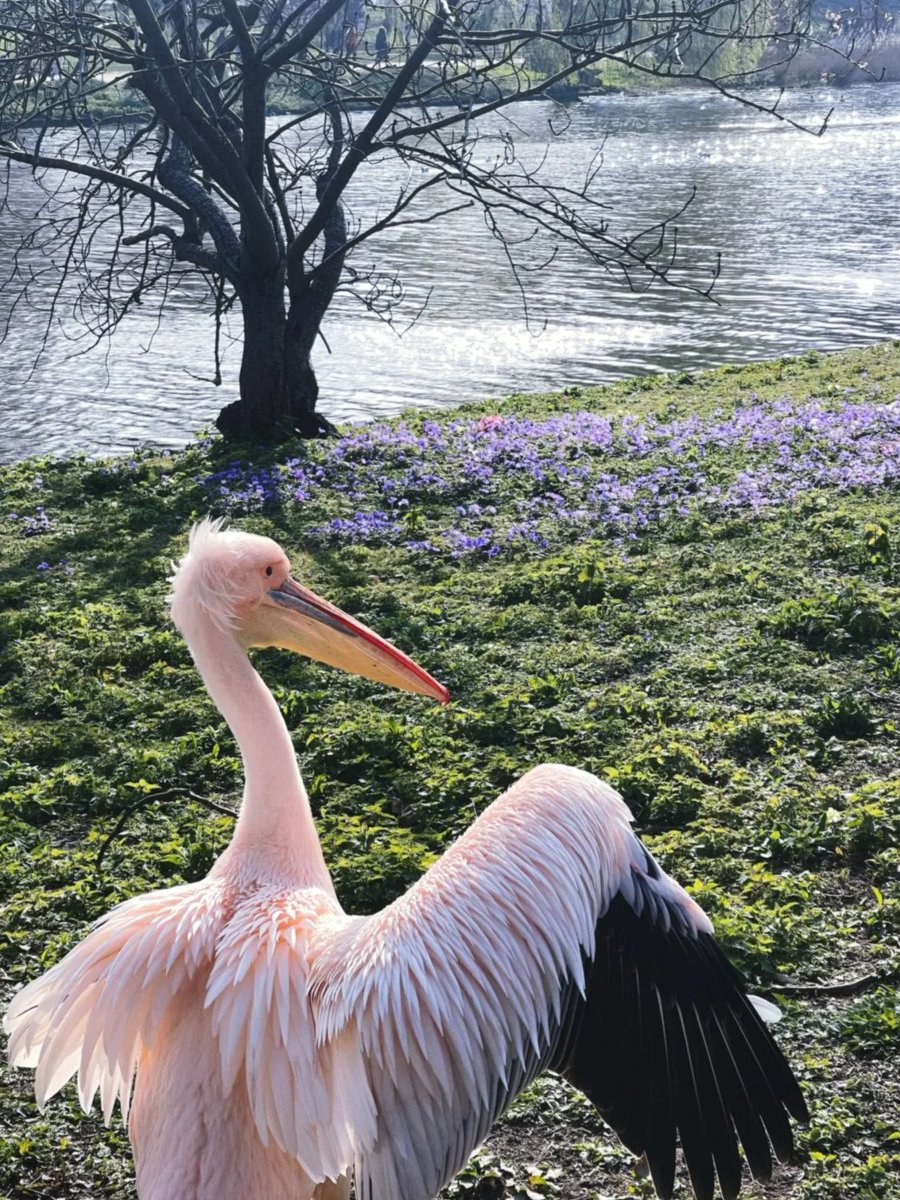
(147, 124)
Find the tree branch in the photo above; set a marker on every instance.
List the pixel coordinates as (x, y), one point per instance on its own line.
(114, 179)
(844, 987)
(154, 798)
(241, 32)
(184, 249)
(365, 142)
(304, 37)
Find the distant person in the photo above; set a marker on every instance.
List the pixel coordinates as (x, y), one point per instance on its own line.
(382, 49)
(351, 41)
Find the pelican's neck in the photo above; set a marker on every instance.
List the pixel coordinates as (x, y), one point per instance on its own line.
(275, 830)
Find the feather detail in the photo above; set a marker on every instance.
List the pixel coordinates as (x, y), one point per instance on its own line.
(307, 1097)
(547, 930)
(770, 1013)
(97, 1010)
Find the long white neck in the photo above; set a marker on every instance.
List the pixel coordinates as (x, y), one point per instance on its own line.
(275, 833)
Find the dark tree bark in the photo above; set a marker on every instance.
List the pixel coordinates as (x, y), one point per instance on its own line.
(262, 409)
(282, 318)
(278, 387)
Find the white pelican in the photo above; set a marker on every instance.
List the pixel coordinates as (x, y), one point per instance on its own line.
(271, 1047)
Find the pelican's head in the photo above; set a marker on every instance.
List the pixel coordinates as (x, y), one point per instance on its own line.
(241, 583)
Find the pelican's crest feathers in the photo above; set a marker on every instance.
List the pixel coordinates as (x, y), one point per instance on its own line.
(198, 580)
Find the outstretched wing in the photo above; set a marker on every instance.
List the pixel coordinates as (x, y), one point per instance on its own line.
(97, 1010)
(548, 938)
(666, 1040)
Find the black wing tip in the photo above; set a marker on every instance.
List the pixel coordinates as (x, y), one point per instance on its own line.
(696, 1060)
(795, 1103)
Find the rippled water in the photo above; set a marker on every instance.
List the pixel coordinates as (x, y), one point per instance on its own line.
(808, 230)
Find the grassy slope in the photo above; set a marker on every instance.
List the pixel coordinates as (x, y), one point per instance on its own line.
(754, 738)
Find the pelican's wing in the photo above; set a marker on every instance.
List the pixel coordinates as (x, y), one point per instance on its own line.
(98, 1009)
(548, 938)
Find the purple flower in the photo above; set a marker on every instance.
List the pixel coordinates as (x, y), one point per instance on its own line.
(37, 522)
(547, 481)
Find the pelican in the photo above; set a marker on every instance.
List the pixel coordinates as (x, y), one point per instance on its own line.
(264, 1044)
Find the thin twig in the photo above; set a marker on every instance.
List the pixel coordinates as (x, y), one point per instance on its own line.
(149, 798)
(845, 987)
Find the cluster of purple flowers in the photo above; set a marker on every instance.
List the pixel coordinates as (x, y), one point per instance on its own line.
(484, 486)
(123, 467)
(63, 565)
(31, 523)
(244, 489)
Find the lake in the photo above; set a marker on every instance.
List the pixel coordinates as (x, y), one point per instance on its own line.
(808, 229)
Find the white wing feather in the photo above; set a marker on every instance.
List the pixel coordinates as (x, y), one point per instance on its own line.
(311, 1100)
(96, 1011)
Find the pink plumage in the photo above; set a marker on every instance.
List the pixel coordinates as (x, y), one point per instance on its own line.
(266, 1043)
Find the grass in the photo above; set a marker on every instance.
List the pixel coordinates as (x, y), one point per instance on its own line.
(707, 621)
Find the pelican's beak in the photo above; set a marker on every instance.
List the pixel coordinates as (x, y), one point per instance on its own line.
(295, 618)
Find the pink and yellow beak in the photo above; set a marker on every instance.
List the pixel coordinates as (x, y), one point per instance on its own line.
(295, 618)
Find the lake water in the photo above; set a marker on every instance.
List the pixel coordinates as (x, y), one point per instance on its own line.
(808, 228)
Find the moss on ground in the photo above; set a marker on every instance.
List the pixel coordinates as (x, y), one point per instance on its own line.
(732, 669)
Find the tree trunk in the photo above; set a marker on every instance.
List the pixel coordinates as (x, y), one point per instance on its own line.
(278, 385)
(301, 330)
(278, 388)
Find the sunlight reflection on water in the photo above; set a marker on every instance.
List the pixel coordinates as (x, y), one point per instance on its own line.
(808, 228)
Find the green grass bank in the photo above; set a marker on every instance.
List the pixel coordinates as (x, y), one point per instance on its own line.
(689, 585)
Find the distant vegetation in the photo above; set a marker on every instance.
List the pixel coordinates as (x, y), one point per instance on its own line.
(688, 585)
